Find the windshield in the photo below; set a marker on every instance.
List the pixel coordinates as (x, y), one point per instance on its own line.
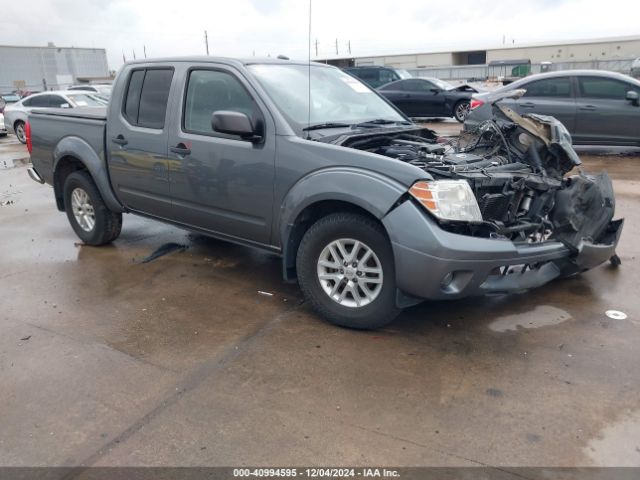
(85, 100)
(336, 97)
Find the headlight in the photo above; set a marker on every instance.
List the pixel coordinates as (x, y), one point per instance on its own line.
(448, 199)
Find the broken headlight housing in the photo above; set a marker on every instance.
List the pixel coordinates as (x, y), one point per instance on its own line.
(451, 200)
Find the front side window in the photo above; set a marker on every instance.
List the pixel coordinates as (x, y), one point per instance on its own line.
(145, 103)
(418, 85)
(85, 100)
(209, 91)
(56, 101)
(550, 87)
(597, 87)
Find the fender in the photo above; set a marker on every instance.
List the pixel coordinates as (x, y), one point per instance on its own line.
(81, 150)
(371, 191)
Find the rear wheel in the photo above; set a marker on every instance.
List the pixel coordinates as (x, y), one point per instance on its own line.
(88, 215)
(20, 131)
(346, 271)
(461, 110)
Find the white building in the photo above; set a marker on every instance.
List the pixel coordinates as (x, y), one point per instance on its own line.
(50, 67)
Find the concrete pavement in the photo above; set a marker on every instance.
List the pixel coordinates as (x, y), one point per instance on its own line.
(105, 360)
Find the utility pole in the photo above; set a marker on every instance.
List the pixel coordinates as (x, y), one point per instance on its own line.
(336, 46)
(206, 41)
(144, 47)
(349, 45)
(316, 47)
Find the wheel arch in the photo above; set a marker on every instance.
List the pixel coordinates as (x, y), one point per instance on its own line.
(325, 192)
(72, 154)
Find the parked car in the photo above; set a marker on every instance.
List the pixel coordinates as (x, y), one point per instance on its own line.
(376, 76)
(369, 212)
(429, 97)
(635, 68)
(597, 107)
(3, 128)
(7, 99)
(16, 113)
(100, 90)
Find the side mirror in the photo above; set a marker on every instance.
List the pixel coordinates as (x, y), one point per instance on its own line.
(633, 97)
(234, 123)
(435, 90)
(65, 105)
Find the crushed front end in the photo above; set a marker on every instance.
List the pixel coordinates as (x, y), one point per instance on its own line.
(535, 216)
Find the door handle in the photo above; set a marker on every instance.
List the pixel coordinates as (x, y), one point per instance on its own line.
(589, 108)
(120, 140)
(528, 105)
(181, 149)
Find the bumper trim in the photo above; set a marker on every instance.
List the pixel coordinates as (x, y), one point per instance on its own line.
(34, 175)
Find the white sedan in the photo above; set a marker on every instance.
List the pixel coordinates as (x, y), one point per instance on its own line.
(16, 114)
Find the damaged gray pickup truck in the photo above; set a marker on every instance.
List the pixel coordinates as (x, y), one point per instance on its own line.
(369, 211)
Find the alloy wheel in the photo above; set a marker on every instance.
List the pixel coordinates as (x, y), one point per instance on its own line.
(350, 272)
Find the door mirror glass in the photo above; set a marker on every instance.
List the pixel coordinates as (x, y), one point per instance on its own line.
(633, 97)
(234, 123)
(435, 90)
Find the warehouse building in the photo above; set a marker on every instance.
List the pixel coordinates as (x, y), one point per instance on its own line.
(615, 54)
(50, 68)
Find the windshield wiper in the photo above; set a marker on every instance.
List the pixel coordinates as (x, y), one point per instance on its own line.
(380, 121)
(325, 125)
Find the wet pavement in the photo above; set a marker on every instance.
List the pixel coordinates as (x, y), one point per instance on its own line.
(108, 359)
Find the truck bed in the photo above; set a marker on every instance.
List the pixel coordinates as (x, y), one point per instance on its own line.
(79, 130)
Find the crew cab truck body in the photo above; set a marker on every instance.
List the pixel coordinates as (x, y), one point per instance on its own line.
(229, 148)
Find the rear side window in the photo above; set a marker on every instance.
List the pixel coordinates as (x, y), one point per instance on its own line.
(39, 101)
(550, 87)
(145, 103)
(209, 91)
(596, 87)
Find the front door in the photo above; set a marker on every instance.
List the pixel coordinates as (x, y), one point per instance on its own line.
(137, 142)
(604, 113)
(221, 183)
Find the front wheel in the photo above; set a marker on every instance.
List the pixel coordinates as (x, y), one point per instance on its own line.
(346, 271)
(20, 131)
(461, 110)
(88, 215)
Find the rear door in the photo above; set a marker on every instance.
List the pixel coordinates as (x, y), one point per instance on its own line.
(550, 96)
(221, 183)
(604, 114)
(137, 141)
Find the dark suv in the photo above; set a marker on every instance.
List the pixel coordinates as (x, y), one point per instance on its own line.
(376, 76)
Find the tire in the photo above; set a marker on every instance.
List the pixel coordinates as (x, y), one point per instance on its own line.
(18, 128)
(461, 110)
(83, 202)
(320, 255)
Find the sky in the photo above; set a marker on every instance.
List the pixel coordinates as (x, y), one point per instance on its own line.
(273, 27)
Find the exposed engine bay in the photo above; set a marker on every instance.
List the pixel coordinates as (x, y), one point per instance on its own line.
(518, 169)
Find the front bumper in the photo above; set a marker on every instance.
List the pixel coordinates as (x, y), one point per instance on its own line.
(432, 263)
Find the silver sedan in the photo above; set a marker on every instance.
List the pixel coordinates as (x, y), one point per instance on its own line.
(16, 114)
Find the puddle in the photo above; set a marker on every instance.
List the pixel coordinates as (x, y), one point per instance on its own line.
(164, 250)
(541, 316)
(617, 445)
